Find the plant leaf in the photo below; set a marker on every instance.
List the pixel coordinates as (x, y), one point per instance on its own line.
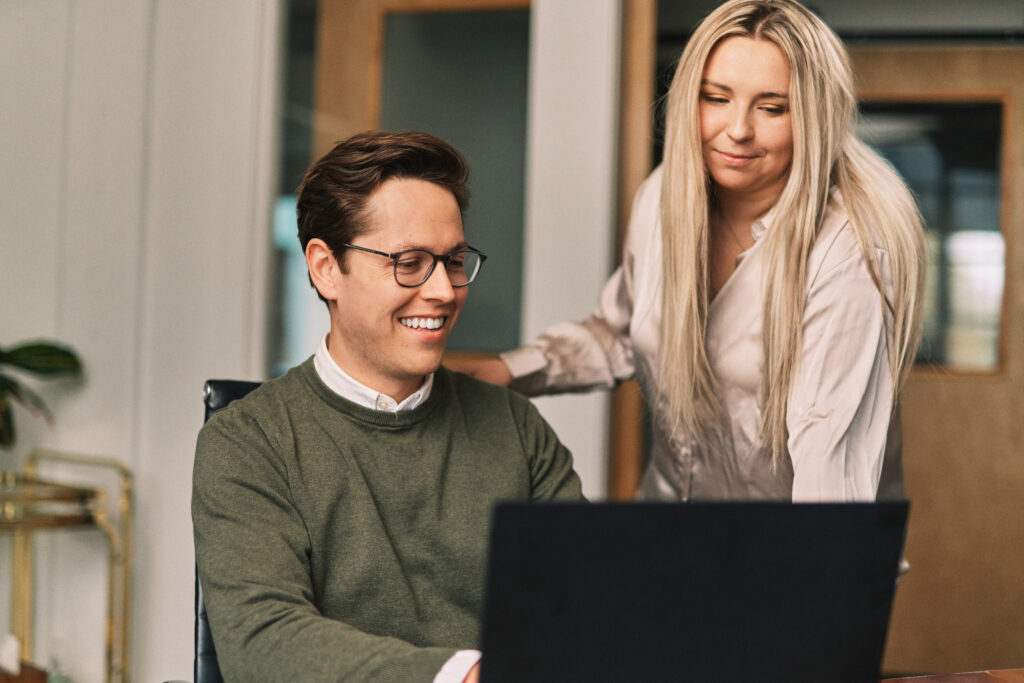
(43, 358)
(24, 396)
(6, 424)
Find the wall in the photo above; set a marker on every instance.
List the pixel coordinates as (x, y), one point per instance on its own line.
(462, 75)
(571, 184)
(135, 195)
(134, 199)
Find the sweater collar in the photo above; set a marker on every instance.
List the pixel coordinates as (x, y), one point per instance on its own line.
(341, 383)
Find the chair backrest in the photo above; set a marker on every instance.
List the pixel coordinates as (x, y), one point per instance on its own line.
(217, 393)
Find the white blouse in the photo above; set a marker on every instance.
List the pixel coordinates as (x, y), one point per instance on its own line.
(840, 400)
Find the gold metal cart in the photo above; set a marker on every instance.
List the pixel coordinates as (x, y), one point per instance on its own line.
(29, 504)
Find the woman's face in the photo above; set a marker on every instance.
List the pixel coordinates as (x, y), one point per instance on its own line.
(745, 127)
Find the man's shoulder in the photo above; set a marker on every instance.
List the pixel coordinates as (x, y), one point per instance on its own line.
(270, 397)
(484, 399)
(466, 386)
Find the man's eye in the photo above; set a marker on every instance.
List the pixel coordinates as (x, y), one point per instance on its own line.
(409, 264)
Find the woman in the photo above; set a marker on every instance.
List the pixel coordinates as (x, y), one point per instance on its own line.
(769, 300)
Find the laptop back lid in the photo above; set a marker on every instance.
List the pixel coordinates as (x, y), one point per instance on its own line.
(690, 592)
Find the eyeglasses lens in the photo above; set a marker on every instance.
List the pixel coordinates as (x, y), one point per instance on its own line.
(414, 267)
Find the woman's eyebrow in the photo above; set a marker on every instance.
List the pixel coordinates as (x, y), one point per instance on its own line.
(767, 95)
(720, 86)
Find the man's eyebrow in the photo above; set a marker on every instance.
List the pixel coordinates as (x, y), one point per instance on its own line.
(768, 95)
(406, 246)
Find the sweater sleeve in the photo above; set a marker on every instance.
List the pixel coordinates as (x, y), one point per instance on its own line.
(597, 352)
(253, 558)
(552, 477)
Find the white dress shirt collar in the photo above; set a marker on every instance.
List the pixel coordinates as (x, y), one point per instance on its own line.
(338, 381)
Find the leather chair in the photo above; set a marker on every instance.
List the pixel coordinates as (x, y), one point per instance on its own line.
(217, 393)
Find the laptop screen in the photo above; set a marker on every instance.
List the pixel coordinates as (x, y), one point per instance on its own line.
(690, 591)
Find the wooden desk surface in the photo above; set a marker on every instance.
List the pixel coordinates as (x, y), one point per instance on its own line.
(1001, 676)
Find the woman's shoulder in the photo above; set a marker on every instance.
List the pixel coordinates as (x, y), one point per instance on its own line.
(645, 217)
(836, 242)
(648, 195)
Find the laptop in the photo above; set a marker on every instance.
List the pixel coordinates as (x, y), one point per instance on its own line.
(690, 591)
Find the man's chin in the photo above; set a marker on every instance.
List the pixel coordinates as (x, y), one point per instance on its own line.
(427, 365)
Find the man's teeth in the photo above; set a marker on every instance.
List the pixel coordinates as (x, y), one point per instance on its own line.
(423, 323)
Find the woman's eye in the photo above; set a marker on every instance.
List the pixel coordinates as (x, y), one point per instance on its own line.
(715, 99)
(774, 109)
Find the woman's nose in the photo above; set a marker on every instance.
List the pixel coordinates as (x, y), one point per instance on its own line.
(740, 127)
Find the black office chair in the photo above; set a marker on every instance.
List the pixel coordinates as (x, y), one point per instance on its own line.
(217, 393)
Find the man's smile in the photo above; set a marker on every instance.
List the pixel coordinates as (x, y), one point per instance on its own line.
(424, 323)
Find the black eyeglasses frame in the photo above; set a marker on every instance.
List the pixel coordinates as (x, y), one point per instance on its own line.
(437, 257)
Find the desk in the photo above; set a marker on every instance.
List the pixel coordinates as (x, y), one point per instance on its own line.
(1001, 676)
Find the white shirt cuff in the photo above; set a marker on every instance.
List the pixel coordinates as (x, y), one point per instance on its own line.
(456, 668)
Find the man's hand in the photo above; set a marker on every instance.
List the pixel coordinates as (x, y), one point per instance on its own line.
(474, 674)
(491, 369)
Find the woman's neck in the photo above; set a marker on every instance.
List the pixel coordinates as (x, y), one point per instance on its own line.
(742, 209)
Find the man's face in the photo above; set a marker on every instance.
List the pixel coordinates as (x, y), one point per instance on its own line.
(386, 336)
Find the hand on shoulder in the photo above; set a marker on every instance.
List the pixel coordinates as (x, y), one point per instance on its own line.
(491, 369)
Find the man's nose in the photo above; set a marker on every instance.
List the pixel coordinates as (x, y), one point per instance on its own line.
(438, 286)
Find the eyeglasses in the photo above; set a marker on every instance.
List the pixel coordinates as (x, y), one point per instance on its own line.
(413, 267)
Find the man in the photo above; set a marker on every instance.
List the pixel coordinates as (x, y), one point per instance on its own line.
(341, 511)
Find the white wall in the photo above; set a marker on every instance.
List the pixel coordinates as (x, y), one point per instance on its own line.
(134, 194)
(138, 144)
(571, 171)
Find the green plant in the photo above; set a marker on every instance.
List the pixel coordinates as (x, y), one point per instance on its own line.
(40, 358)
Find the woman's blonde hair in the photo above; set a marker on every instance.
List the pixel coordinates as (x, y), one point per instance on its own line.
(826, 155)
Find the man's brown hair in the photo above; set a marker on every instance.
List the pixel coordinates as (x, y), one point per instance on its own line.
(333, 194)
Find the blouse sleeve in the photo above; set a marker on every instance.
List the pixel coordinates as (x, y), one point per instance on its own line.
(597, 352)
(841, 400)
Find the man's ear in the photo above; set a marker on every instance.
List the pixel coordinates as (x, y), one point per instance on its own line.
(323, 268)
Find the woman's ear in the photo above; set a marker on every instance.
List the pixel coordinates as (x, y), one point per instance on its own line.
(323, 268)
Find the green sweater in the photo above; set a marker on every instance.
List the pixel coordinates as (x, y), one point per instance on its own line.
(339, 543)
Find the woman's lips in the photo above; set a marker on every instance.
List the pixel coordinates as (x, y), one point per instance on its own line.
(735, 159)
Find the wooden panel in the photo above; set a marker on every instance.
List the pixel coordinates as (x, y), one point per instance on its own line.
(1003, 675)
(350, 40)
(625, 461)
(959, 608)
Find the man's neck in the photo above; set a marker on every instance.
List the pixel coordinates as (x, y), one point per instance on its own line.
(352, 387)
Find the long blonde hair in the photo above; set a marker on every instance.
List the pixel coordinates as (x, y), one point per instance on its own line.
(826, 155)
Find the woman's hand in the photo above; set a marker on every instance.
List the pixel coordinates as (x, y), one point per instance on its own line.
(491, 369)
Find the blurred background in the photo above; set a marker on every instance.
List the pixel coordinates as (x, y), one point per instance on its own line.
(149, 155)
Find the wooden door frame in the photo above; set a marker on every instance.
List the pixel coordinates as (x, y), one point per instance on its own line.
(636, 128)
